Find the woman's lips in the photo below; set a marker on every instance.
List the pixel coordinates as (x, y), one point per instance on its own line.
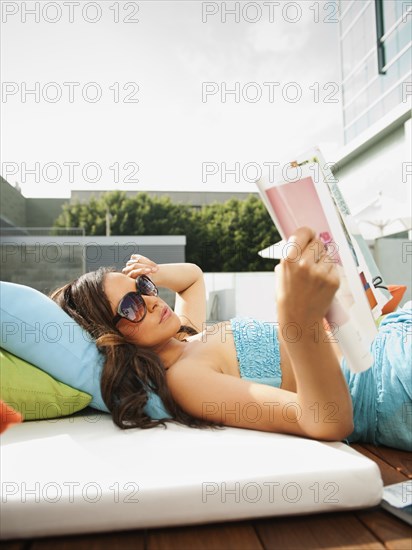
(165, 314)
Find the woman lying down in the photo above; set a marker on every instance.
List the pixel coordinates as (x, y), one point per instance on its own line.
(203, 374)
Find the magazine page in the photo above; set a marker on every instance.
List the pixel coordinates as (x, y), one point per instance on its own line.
(295, 198)
(376, 290)
(378, 296)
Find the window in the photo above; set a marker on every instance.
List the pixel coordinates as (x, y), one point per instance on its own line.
(393, 31)
(380, 32)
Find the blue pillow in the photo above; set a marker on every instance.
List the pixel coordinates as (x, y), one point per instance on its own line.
(36, 329)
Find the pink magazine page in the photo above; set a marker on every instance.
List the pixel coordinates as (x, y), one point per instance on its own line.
(296, 204)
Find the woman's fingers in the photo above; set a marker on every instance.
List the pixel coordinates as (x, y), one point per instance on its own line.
(304, 249)
(308, 258)
(139, 265)
(314, 253)
(139, 259)
(297, 244)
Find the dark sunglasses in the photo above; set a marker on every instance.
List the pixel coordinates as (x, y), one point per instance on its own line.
(132, 306)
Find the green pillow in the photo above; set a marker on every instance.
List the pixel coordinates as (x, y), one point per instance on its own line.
(34, 393)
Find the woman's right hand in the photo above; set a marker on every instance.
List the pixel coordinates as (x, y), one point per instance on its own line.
(307, 278)
(139, 265)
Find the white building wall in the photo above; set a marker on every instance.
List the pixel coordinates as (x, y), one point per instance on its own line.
(394, 257)
(380, 160)
(380, 168)
(241, 295)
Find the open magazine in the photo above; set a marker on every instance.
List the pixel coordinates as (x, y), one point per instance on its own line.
(305, 192)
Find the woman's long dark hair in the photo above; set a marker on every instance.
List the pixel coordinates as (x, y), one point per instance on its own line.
(129, 371)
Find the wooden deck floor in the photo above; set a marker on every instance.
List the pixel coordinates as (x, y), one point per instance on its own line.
(366, 529)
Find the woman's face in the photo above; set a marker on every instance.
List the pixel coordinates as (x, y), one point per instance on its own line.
(160, 323)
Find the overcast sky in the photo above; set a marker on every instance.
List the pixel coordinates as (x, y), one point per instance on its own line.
(163, 57)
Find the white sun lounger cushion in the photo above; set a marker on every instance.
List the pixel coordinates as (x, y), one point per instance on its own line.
(83, 474)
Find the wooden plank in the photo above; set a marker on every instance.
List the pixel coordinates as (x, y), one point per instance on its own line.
(389, 473)
(13, 545)
(340, 530)
(394, 533)
(225, 536)
(122, 540)
(400, 460)
(394, 466)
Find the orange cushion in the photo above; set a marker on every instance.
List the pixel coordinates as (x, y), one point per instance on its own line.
(8, 416)
(397, 292)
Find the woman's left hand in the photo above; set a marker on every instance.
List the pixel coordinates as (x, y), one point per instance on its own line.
(307, 278)
(139, 265)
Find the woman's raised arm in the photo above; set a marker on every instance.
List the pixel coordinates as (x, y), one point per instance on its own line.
(307, 282)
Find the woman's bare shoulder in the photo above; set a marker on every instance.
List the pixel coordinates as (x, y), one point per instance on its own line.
(211, 349)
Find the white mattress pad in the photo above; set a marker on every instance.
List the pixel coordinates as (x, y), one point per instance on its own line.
(83, 474)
